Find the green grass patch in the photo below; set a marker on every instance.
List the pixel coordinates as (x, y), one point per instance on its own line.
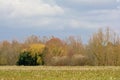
(59, 73)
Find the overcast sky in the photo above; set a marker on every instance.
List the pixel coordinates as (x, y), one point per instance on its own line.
(61, 18)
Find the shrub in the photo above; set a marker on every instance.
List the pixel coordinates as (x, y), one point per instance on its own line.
(33, 55)
(26, 59)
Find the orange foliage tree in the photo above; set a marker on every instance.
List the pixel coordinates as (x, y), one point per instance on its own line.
(54, 47)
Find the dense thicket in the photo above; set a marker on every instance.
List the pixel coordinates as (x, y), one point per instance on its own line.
(102, 49)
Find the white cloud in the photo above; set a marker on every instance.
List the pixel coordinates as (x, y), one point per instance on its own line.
(17, 8)
(84, 24)
(96, 19)
(41, 22)
(118, 0)
(40, 13)
(105, 14)
(94, 2)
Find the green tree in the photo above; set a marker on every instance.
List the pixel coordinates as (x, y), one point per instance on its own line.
(32, 56)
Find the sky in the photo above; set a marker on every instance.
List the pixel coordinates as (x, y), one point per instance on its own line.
(61, 18)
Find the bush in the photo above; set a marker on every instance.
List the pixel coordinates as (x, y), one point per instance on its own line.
(26, 59)
(33, 55)
(74, 60)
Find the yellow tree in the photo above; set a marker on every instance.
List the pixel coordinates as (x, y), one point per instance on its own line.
(36, 51)
(33, 55)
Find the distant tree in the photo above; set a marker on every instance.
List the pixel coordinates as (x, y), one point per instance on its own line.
(32, 40)
(76, 51)
(75, 45)
(54, 47)
(32, 56)
(103, 47)
(4, 50)
(37, 51)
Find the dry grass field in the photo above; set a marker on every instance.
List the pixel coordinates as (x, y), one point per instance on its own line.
(59, 73)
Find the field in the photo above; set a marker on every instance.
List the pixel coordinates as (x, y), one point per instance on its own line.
(59, 73)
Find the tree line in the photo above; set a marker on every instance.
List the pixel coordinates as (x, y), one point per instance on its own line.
(102, 49)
